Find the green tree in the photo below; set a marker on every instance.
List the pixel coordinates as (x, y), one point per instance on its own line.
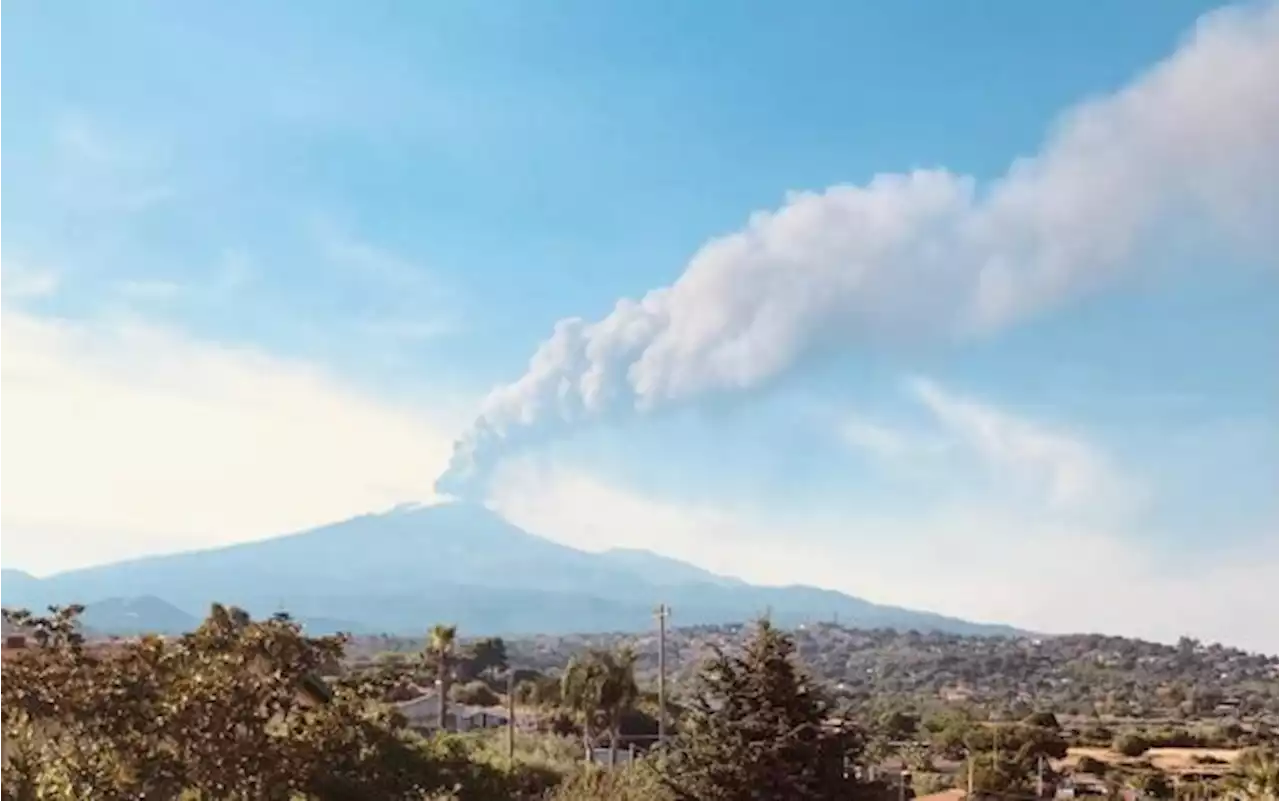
(1043, 720)
(489, 656)
(758, 727)
(599, 687)
(898, 725)
(441, 655)
(233, 710)
(1255, 774)
(1130, 745)
(1154, 784)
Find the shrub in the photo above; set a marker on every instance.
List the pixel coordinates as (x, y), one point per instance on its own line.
(476, 693)
(1130, 745)
(1043, 720)
(1091, 766)
(1097, 734)
(638, 782)
(1155, 785)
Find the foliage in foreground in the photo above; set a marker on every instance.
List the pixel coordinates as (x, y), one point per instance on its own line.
(230, 711)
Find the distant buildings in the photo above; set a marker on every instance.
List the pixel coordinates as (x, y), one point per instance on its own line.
(423, 713)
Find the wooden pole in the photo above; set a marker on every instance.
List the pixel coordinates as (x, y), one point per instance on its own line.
(511, 718)
(662, 613)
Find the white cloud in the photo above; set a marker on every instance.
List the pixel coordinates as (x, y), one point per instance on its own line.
(420, 308)
(878, 439)
(1187, 150)
(98, 173)
(366, 259)
(122, 439)
(22, 282)
(148, 290)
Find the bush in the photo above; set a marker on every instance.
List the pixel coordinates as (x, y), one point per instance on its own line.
(931, 783)
(1043, 720)
(1155, 785)
(560, 723)
(1091, 766)
(1130, 745)
(1097, 734)
(475, 693)
(637, 782)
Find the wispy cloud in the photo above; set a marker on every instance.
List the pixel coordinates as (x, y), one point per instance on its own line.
(1072, 473)
(148, 289)
(96, 173)
(367, 260)
(982, 557)
(409, 302)
(234, 272)
(880, 440)
(972, 437)
(137, 439)
(410, 330)
(21, 282)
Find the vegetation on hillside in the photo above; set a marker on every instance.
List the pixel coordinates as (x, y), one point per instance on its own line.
(237, 710)
(1008, 678)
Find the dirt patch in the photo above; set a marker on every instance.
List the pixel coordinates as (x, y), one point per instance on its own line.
(1170, 760)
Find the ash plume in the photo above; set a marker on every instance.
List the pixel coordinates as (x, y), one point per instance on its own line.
(1189, 146)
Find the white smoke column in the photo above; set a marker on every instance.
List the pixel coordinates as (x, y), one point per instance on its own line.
(1190, 145)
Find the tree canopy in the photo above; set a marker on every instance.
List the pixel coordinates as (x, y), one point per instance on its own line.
(758, 727)
(234, 710)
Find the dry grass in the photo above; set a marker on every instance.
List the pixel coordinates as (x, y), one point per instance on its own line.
(1170, 760)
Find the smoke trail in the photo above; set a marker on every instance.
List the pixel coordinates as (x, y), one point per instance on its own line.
(1191, 143)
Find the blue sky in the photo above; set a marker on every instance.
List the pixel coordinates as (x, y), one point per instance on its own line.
(263, 265)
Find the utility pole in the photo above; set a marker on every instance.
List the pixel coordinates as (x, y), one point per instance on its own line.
(662, 612)
(511, 717)
(1040, 776)
(995, 748)
(969, 794)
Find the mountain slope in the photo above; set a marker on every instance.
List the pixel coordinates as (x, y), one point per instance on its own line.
(142, 615)
(662, 571)
(400, 571)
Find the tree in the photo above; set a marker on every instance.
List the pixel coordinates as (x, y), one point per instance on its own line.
(231, 711)
(1154, 784)
(1130, 745)
(1007, 759)
(758, 727)
(489, 656)
(599, 687)
(898, 725)
(1255, 774)
(442, 643)
(1043, 720)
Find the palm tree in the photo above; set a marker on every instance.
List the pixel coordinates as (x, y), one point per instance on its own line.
(1256, 775)
(440, 653)
(599, 687)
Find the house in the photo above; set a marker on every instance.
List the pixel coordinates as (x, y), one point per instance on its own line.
(423, 713)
